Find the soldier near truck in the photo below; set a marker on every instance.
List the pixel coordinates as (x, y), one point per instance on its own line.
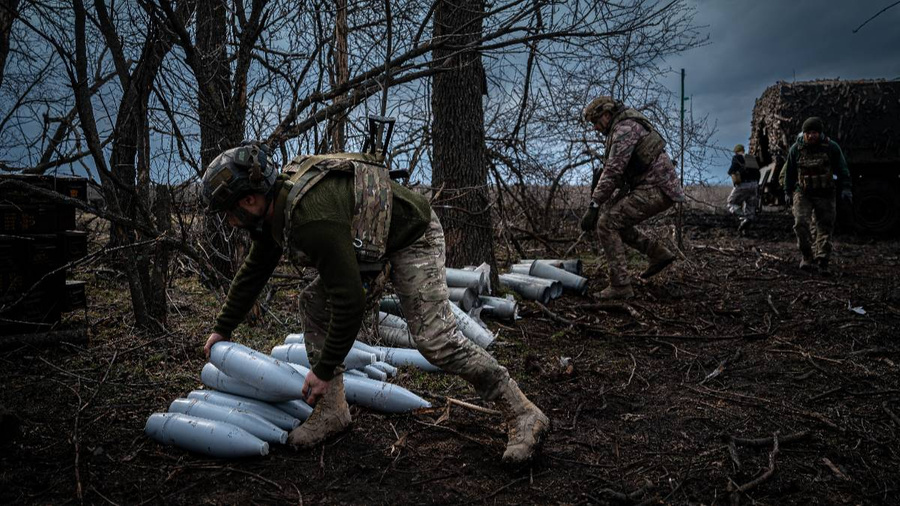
(636, 164)
(808, 179)
(342, 215)
(863, 117)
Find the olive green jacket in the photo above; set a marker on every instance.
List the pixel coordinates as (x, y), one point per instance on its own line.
(321, 230)
(788, 177)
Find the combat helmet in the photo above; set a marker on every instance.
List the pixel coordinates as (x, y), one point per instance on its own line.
(236, 173)
(598, 106)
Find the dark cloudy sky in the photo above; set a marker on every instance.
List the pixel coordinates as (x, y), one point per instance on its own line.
(753, 44)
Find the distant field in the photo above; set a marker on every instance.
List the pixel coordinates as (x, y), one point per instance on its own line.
(707, 198)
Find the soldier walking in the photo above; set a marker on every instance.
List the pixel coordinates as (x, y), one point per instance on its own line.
(635, 163)
(743, 199)
(808, 179)
(342, 215)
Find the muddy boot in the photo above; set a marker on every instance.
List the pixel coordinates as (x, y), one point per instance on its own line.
(807, 264)
(743, 227)
(331, 416)
(660, 258)
(822, 264)
(526, 424)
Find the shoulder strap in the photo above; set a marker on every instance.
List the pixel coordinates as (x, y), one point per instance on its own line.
(634, 115)
(649, 147)
(372, 195)
(304, 172)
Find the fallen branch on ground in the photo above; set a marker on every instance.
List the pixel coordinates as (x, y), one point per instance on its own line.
(555, 317)
(894, 417)
(473, 407)
(737, 490)
(767, 441)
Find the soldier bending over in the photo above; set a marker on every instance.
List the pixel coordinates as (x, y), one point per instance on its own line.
(344, 216)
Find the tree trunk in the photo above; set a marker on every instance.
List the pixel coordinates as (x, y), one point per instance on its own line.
(9, 9)
(159, 276)
(340, 57)
(459, 164)
(128, 188)
(221, 121)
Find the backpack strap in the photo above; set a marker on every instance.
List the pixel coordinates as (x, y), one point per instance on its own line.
(648, 148)
(373, 200)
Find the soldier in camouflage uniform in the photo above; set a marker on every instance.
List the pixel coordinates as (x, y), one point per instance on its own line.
(635, 163)
(342, 215)
(742, 200)
(808, 179)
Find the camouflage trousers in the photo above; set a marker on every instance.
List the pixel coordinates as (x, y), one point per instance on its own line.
(616, 227)
(420, 281)
(743, 199)
(814, 223)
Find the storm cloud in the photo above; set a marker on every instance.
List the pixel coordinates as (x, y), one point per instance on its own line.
(753, 44)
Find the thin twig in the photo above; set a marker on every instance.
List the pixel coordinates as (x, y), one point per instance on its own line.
(894, 417)
(754, 335)
(504, 487)
(574, 244)
(241, 471)
(765, 476)
(772, 305)
(768, 441)
(633, 368)
(875, 16)
(732, 450)
(555, 317)
(473, 407)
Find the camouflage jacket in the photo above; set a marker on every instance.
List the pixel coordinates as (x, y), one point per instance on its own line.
(320, 230)
(789, 177)
(661, 172)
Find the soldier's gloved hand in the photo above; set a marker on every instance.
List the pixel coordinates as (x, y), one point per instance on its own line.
(589, 220)
(847, 195)
(789, 198)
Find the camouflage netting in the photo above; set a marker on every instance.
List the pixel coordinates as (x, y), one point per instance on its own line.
(861, 116)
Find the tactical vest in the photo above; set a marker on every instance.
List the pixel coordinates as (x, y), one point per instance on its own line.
(648, 148)
(372, 196)
(748, 171)
(814, 168)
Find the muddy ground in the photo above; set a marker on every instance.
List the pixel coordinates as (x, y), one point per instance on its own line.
(674, 398)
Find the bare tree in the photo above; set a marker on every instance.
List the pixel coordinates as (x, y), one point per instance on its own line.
(142, 94)
(9, 9)
(459, 171)
(221, 96)
(126, 184)
(542, 154)
(341, 72)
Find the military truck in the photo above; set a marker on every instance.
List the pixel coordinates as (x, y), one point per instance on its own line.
(862, 116)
